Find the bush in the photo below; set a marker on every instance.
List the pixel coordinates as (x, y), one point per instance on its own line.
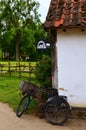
(0, 54)
(43, 72)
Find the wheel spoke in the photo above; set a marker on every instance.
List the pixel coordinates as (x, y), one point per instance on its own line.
(23, 106)
(57, 114)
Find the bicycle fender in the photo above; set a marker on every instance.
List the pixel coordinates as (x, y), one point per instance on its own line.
(56, 100)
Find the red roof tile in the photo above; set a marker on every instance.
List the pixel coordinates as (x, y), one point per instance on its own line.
(66, 13)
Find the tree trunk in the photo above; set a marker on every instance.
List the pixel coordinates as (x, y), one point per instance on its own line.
(17, 50)
(54, 59)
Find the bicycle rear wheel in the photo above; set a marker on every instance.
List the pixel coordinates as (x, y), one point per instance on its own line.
(57, 114)
(23, 105)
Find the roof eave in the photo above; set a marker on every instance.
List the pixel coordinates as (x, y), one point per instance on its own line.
(47, 28)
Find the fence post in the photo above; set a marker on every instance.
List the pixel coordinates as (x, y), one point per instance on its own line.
(9, 70)
(16, 66)
(29, 70)
(19, 70)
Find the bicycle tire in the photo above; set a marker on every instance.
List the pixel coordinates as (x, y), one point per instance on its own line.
(23, 105)
(57, 114)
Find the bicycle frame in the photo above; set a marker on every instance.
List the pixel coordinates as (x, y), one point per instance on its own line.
(52, 104)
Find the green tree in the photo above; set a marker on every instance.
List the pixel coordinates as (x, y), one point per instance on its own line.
(41, 34)
(18, 20)
(43, 72)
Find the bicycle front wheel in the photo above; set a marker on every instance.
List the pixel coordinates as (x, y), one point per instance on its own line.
(23, 105)
(57, 114)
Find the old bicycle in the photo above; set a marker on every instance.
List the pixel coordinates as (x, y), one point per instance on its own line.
(56, 108)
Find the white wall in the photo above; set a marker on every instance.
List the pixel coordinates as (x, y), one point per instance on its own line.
(71, 49)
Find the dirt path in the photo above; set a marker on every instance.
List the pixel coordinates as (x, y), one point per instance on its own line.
(9, 121)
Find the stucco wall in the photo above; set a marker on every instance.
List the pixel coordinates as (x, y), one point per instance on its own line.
(71, 58)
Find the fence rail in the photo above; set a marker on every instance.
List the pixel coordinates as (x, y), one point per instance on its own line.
(17, 69)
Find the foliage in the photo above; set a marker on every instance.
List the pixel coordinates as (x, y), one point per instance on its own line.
(43, 71)
(39, 35)
(0, 53)
(18, 21)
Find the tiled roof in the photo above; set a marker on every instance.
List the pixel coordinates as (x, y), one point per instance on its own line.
(66, 13)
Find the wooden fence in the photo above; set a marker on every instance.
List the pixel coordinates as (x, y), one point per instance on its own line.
(17, 69)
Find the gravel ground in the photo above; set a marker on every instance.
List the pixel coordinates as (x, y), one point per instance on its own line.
(9, 121)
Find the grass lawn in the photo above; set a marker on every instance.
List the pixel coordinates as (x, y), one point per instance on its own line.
(9, 91)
